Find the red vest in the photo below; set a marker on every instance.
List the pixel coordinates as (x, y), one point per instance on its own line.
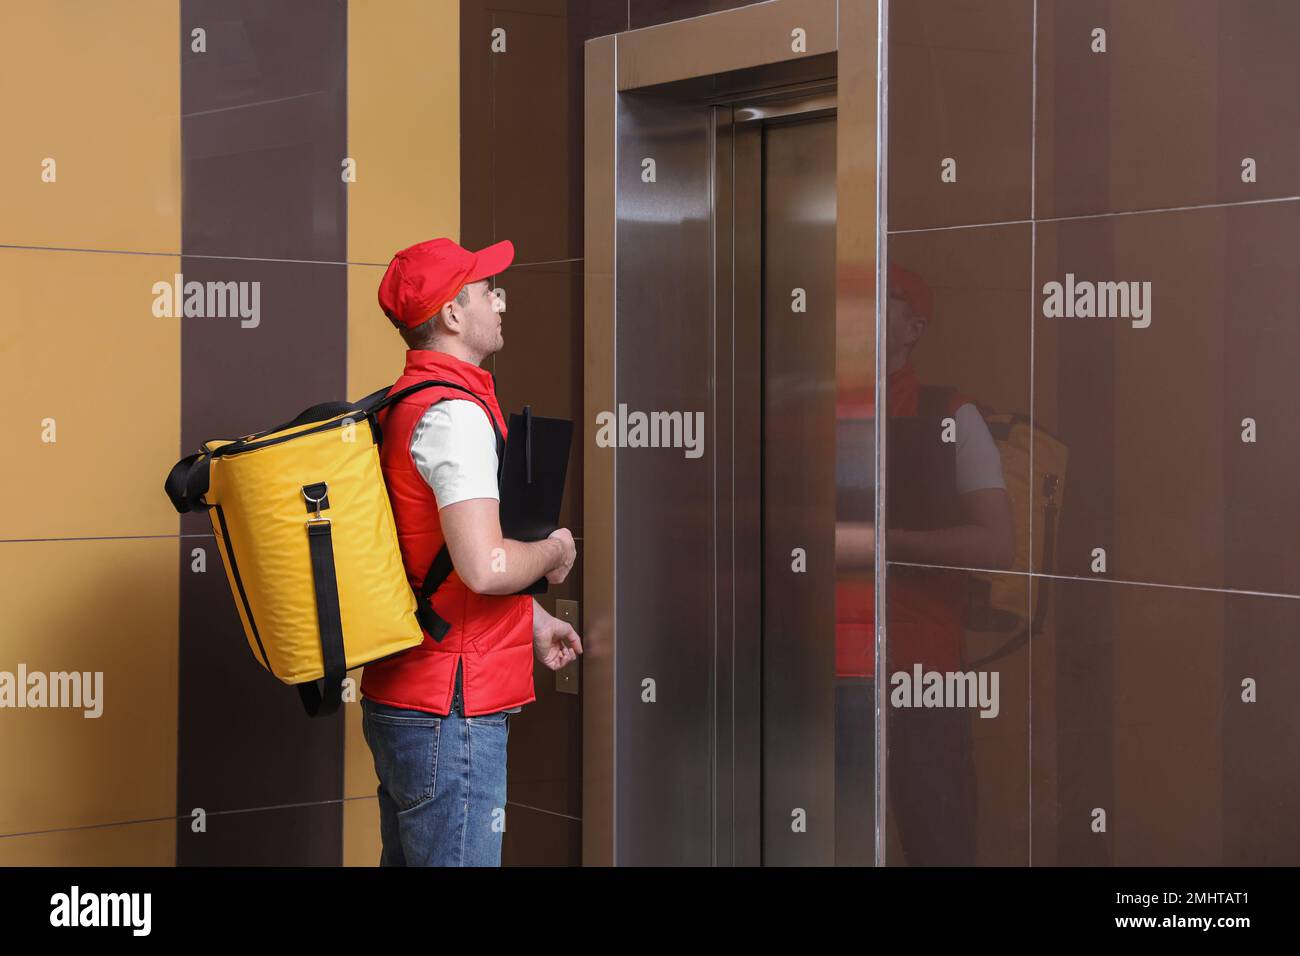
(491, 636)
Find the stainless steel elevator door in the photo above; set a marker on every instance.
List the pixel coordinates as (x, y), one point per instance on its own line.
(725, 741)
(798, 493)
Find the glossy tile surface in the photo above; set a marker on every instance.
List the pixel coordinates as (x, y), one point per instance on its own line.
(1154, 281)
(960, 112)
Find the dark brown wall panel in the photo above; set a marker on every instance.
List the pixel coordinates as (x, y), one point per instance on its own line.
(646, 13)
(521, 179)
(264, 130)
(1261, 524)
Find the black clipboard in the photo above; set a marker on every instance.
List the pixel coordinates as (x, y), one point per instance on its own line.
(533, 471)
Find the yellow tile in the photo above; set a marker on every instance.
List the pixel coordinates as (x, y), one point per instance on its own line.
(407, 152)
(376, 352)
(81, 347)
(126, 844)
(403, 125)
(359, 779)
(361, 844)
(107, 607)
(96, 88)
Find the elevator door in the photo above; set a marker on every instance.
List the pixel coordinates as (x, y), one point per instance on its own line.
(726, 745)
(797, 185)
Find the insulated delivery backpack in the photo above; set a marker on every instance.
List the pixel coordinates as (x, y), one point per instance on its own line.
(305, 528)
(996, 624)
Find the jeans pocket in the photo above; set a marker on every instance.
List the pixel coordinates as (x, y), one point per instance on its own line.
(487, 743)
(406, 755)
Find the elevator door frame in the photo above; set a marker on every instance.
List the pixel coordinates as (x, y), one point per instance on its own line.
(740, 54)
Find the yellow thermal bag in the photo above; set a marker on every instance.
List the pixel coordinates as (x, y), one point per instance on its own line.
(305, 529)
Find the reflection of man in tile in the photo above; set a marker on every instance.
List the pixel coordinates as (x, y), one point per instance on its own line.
(947, 506)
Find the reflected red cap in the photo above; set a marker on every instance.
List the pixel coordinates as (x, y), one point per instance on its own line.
(424, 277)
(911, 288)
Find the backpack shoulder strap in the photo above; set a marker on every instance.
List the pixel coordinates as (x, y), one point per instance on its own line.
(441, 567)
(378, 401)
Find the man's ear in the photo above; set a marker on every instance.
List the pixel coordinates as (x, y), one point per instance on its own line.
(918, 326)
(451, 318)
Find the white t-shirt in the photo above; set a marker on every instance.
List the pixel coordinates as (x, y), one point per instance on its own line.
(455, 451)
(978, 463)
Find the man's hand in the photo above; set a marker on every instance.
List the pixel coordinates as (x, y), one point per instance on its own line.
(555, 642)
(565, 538)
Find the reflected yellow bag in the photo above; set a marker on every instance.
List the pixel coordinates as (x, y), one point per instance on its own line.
(997, 619)
(995, 616)
(305, 529)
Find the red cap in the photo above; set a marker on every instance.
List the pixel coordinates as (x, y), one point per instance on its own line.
(911, 288)
(424, 277)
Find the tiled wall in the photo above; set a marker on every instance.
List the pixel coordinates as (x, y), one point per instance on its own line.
(263, 130)
(205, 138)
(226, 163)
(90, 218)
(1122, 165)
(219, 155)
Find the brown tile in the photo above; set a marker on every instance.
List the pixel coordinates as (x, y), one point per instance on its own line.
(282, 836)
(1158, 473)
(1138, 711)
(545, 747)
(959, 783)
(236, 379)
(976, 343)
(1261, 518)
(264, 131)
(533, 838)
(1072, 159)
(1258, 116)
(541, 364)
(263, 752)
(514, 101)
(241, 375)
(259, 52)
(960, 88)
(646, 13)
(1130, 401)
(534, 161)
(1261, 771)
(1165, 117)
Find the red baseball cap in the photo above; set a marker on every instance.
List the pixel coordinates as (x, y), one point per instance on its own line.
(424, 277)
(911, 288)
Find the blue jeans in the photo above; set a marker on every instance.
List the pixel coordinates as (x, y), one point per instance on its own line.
(442, 784)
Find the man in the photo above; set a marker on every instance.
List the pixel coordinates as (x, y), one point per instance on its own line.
(948, 506)
(436, 717)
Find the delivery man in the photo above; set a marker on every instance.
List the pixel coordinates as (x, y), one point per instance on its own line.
(436, 717)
